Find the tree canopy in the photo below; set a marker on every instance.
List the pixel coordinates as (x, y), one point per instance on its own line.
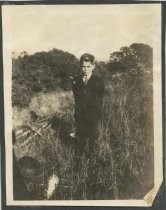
(135, 58)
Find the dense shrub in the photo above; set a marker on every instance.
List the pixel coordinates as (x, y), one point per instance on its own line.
(41, 72)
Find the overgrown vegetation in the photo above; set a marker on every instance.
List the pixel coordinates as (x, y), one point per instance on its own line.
(122, 166)
(41, 72)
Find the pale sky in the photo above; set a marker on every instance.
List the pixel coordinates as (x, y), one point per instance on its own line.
(97, 29)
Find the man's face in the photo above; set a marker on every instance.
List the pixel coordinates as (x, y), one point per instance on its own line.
(87, 67)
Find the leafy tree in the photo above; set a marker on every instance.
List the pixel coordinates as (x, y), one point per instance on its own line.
(135, 58)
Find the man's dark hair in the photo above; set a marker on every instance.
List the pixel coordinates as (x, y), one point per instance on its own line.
(88, 58)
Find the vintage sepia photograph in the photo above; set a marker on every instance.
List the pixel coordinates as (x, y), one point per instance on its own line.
(83, 104)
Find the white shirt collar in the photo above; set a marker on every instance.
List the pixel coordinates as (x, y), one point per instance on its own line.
(86, 78)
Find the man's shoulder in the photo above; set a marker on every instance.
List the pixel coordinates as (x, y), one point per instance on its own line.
(77, 80)
(97, 77)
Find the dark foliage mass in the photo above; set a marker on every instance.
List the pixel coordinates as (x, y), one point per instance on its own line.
(41, 72)
(135, 58)
(122, 165)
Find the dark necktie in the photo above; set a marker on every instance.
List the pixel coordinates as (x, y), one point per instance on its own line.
(85, 79)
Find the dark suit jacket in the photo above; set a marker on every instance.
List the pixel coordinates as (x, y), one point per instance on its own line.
(88, 100)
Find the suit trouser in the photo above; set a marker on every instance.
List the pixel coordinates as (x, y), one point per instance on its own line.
(87, 131)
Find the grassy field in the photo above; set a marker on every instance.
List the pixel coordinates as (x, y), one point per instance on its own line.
(122, 166)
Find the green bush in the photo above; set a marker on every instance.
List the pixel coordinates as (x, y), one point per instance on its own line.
(41, 72)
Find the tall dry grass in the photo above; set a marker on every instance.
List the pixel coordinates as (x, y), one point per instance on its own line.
(122, 164)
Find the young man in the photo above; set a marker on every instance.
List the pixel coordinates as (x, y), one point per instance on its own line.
(88, 89)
